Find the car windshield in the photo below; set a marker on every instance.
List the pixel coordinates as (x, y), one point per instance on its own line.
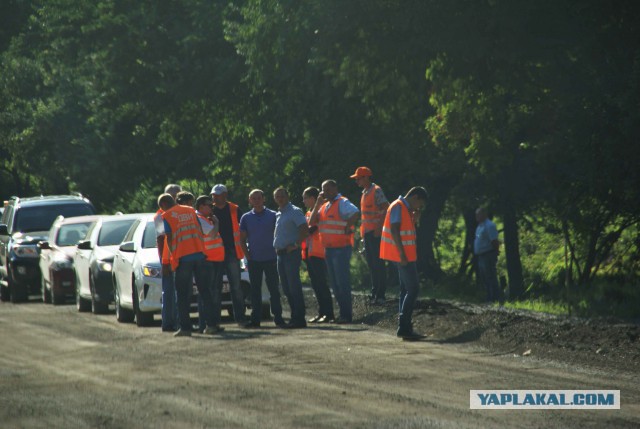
(112, 232)
(70, 234)
(149, 237)
(41, 218)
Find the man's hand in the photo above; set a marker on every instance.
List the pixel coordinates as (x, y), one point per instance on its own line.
(403, 260)
(321, 199)
(347, 230)
(290, 248)
(377, 232)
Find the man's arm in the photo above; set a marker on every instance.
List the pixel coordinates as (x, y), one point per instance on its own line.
(313, 218)
(378, 231)
(351, 222)
(244, 234)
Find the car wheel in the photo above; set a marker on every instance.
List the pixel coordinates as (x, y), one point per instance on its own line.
(46, 295)
(4, 293)
(82, 304)
(123, 315)
(143, 318)
(57, 299)
(18, 293)
(97, 307)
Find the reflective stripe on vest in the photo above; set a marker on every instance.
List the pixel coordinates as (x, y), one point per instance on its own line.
(187, 238)
(331, 226)
(371, 217)
(213, 245)
(312, 245)
(233, 208)
(388, 249)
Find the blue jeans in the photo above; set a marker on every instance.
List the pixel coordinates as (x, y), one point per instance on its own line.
(409, 286)
(317, 269)
(213, 280)
(270, 271)
(169, 305)
(232, 268)
(185, 273)
(289, 271)
(488, 275)
(338, 260)
(376, 265)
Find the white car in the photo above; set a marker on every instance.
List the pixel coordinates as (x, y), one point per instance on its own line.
(93, 261)
(137, 278)
(56, 257)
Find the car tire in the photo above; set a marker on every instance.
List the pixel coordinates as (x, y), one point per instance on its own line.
(97, 307)
(82, 304)
(46, 295)
(143, 318)
(123, 315)
(4, 293)
(57, 299)
(18, 293)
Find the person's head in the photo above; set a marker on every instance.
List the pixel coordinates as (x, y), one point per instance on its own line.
(481, 214)
(330, 189)
(309, 196)
(172, 189)
(203, 205)
(362, 177)
(166, 201)
(219, 195)
(417, 198)
(281, 195)
(185, 198)
(256, 200)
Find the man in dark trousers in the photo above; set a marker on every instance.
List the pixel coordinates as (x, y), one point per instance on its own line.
(228, 215)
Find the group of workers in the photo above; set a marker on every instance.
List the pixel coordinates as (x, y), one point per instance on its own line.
(202, 238)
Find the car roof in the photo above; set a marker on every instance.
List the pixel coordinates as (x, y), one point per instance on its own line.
(45, 200)
(115, 218)
(77, 219)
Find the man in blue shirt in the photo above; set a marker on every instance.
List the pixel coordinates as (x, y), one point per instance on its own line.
(256, 238)
(291, 230)
(486, 247)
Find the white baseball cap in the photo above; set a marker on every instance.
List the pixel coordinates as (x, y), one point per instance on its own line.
(218, 189)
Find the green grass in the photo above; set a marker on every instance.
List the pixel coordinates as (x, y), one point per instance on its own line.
(540, 306)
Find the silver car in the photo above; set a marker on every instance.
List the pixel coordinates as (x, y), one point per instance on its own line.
(137, 265)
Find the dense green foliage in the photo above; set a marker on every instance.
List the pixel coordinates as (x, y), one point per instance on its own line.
(530, 108)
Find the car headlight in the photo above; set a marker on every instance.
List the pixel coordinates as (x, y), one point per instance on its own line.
(104, 266)
(150, 271)
(25, 251)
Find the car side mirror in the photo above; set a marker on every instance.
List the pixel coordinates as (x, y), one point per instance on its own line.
(3, 229)
(128, 246)
(85, 245)
(44, 245)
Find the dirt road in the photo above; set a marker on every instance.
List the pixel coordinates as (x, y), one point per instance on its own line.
(60, 368)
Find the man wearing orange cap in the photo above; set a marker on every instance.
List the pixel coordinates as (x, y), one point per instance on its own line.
(373, 207)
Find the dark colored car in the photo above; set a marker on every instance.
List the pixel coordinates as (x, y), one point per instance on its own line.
(25, 222)
(93, 261)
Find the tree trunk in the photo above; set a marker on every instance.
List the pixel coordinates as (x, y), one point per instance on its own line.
(512, 252)
(427, 263)
(470, 224)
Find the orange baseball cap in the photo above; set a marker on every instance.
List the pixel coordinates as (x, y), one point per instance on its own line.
(362, 172)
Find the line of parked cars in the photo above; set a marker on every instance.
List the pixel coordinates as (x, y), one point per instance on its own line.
(59, 248)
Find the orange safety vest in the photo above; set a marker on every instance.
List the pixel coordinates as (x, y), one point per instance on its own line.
(371, 216)
(312, 245)
(332, 226)
(213, 246)
(186, 234)
(233, 209)
(163, 252)
(388, 249)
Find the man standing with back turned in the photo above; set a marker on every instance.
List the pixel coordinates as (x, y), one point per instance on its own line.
(373, 207)
(399, 246)
(486, 247)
